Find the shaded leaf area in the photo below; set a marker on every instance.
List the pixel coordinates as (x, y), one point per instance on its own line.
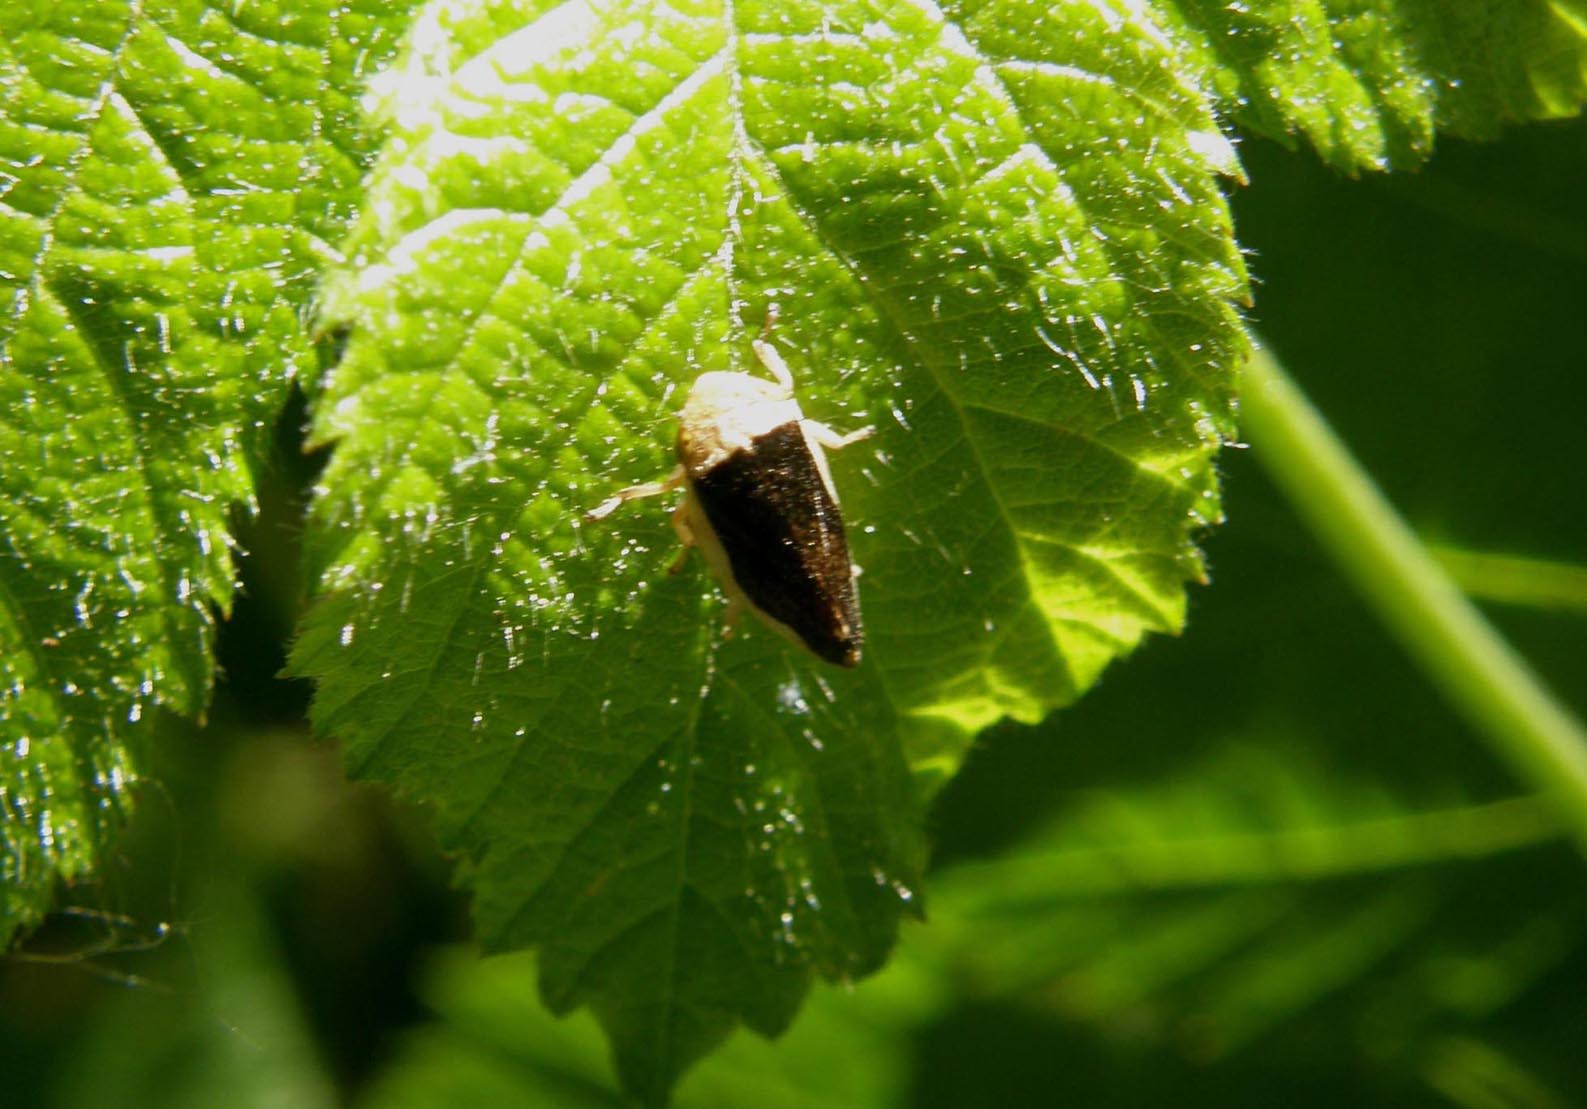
(1210, 909)
(491, 1044)
(1371, 85)
(1264, 914)
(582, 208)
(168, 176)
(1195, 930)
(244, 1038)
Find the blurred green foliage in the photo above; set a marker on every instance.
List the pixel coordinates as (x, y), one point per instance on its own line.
(1316, 885)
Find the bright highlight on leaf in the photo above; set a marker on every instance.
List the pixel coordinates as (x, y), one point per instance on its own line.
(998, 239)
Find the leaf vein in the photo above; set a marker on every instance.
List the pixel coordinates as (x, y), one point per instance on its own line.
(115, 380)
(74, 164)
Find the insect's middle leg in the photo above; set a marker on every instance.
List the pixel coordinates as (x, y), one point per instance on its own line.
(680, 525)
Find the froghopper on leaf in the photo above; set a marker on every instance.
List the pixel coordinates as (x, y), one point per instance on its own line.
(761, 506)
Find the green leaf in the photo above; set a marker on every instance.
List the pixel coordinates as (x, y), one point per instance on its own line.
(242, 1040)
(1482, 1075)
(1205, 909)
(1512, 579)
(1371, 85)
(490, 1044)
(1009, 253)
(168, 175)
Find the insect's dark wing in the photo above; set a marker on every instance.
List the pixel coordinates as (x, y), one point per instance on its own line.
(784, 539)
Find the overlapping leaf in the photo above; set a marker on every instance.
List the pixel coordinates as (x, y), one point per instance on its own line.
(1372, 84)
(1206, 910)
(167, 176)
(1014, 262)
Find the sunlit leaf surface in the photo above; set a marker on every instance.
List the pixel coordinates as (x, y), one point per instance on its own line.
(167, 176)
(1371, 85)
(1007, 251)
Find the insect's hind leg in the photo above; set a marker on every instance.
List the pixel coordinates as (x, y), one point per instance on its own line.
(680, 525)
(731, 617)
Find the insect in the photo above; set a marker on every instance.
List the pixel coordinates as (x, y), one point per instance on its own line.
(760, 505)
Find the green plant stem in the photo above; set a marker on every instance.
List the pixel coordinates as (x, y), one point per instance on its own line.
(1458, 650)
(1515, 579)
(1300, 854)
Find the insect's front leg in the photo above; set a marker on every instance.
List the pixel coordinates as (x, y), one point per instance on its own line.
(831, 440)
(636, 492)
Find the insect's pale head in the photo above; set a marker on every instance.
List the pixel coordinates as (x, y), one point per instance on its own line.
(727, 412)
